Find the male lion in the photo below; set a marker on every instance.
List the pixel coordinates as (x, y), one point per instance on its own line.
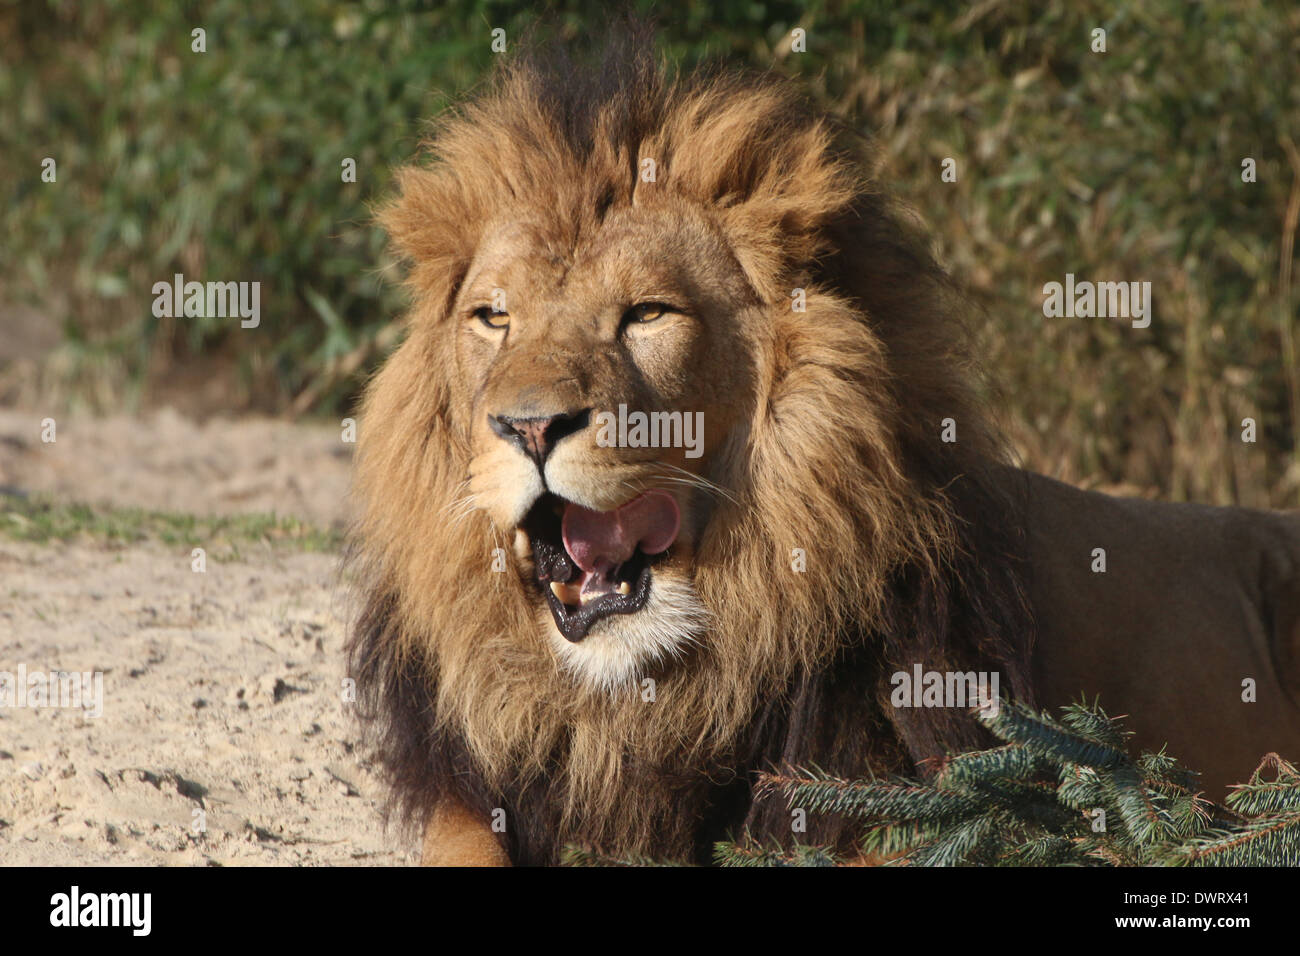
(573, 636)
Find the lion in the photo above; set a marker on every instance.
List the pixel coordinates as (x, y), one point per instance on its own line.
(581, 629)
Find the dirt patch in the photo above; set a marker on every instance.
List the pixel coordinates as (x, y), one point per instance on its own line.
(168, 462)
(224, 736)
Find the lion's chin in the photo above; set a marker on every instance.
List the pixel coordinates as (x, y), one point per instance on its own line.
(621, 650)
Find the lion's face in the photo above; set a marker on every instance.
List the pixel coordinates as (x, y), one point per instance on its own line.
(635, 415)
(557, 345)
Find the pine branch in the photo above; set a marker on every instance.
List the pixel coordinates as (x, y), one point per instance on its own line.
(1034, 800)
(575, 855)
(802, 855)
(1164, 771)
(898, 842)
(1040, 735)
(1090, 721)
(1259, 796)
(1080, 788)
(1274, 841)
(900, 801)
(1048, 850)
(1010, 761)
(958, 844)
(1146, 821)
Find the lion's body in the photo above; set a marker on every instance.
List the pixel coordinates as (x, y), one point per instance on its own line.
(822, 538)
(1194, 601)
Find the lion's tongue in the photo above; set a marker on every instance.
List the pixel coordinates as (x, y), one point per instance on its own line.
(602, 540)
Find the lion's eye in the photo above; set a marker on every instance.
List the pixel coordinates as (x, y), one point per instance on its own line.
(645, 312)
(491, 318)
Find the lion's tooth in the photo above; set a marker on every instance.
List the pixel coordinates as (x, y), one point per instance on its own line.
(585, 598)
(569, 594)
(623, 588)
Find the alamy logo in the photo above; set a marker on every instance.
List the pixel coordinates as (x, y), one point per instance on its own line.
(626, 429)
(75, 689)
(923, 688)
(212, 300)
(1084, 300)
(75, 908)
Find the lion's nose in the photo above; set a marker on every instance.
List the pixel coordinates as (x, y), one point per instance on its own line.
(537, 436)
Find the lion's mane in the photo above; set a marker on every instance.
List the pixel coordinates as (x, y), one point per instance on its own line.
(912, 556)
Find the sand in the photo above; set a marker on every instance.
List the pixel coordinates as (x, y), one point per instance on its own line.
(224, 737)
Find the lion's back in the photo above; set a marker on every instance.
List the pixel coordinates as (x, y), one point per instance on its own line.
(1165, 610)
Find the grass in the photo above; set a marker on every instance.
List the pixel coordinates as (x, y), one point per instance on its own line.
(43, 521)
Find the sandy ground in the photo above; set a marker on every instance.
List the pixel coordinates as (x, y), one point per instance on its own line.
(224, 737)
(168, 463)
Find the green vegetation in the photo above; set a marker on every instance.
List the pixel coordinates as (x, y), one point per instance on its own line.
(1056, 793)
(42, 521)
(1117, 166)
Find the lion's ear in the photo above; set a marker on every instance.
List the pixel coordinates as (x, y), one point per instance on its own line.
(771, 167)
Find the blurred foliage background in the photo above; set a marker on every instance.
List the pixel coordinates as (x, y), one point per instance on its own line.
(1123, 165)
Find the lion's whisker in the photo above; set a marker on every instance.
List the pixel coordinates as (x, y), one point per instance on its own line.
(465, 507)
(695, 481)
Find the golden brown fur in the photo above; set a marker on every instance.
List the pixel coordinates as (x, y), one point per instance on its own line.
(457, 836)
(823, 435)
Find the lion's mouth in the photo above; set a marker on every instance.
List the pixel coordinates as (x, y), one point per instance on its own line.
(591, 564)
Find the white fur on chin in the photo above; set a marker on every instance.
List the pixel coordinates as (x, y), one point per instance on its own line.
(618, 649)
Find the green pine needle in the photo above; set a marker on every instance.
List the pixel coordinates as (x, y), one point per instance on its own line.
(1052, 794)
